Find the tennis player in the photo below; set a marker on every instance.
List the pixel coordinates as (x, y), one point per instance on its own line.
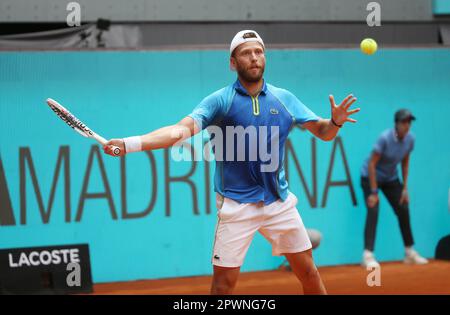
(252, 195)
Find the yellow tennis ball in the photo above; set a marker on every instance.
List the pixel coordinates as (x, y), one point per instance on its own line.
(369, 46)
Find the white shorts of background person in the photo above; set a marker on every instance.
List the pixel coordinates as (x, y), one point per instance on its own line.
(279, 222)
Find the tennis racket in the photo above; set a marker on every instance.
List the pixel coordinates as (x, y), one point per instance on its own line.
(73, 122)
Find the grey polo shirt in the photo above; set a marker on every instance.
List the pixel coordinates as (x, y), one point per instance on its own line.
(392, 151)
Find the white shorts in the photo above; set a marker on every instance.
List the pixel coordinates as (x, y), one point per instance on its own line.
(237, 223)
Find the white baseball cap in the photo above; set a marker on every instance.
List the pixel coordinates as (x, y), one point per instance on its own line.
(244, 37)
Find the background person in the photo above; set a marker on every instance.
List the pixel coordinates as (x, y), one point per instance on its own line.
(379, 172)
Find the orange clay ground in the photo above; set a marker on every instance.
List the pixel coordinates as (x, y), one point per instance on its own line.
(396, 278)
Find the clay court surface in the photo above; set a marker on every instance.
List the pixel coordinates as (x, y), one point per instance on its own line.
(396, 278)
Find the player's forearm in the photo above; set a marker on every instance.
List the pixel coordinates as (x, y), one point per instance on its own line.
(405, 171)
(327, 130)
(164, 137)
(372, 177)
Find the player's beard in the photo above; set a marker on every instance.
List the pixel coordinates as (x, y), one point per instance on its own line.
(247, 75)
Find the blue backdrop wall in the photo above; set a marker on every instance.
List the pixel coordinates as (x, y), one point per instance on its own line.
(140, 221)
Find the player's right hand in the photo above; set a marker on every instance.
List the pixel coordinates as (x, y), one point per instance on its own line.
(108, 148)
(372, 200)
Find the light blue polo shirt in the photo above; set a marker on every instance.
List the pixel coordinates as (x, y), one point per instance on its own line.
(232, 106)
(392, 151)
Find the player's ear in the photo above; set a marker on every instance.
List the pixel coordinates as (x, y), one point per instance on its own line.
(232, 63)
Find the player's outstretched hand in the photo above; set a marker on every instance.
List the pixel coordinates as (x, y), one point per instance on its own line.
(108, 148)
(340, 112)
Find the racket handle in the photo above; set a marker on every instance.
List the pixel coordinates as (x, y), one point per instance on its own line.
(115, 150)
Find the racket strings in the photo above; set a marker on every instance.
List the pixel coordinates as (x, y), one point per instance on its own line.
(71, 121)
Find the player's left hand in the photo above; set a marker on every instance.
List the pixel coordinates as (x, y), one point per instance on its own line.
(404, 199)
(340, 113)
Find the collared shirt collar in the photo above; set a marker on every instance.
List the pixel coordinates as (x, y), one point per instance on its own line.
(396, 138)
(241, 89)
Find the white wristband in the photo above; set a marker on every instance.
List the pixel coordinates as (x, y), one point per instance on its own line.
(132, 144)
